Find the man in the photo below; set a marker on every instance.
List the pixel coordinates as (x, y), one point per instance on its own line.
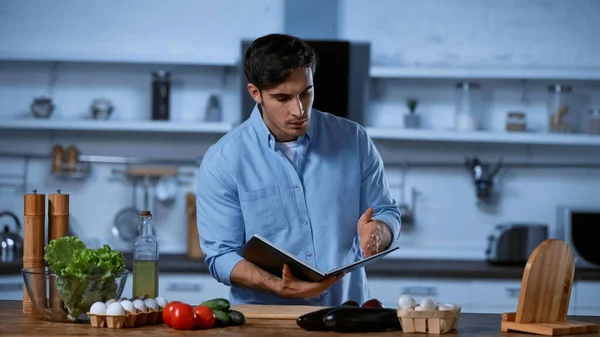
(309, 181)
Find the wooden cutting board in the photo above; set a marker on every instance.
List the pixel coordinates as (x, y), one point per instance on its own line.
(274, 311)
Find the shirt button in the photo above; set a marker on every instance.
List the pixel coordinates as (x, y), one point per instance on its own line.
(308, 254)
(304, 222)
(297, 188)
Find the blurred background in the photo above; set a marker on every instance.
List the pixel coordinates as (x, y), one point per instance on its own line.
(486, 113)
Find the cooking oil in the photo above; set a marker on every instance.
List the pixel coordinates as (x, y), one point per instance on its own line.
(145, 259)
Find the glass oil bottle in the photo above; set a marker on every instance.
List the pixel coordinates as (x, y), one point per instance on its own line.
(145, 260)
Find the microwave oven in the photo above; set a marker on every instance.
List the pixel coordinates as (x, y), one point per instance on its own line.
(577, 227)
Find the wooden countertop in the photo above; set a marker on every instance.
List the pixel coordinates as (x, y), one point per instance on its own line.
(14, 323)
(388, 267)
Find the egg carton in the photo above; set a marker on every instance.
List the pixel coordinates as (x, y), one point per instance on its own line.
(432, 322)
(129, 320)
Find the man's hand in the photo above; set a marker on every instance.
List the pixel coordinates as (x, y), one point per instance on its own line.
(291, 287)
(374, 236)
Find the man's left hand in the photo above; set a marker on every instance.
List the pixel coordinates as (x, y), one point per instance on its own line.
(373, 235)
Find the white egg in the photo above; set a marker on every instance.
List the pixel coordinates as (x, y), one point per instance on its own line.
(428, 304)
(443, 307)
(128, 306)
(161, 301)
(418, 308)
(109, 302)
(115, 309)
(151, 304)
(139, 304)
(451, 305)
(98, 308)
(406, 302)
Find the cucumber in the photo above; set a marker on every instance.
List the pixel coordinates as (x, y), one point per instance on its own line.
(217, 304)
(236, 317)
(221, 318)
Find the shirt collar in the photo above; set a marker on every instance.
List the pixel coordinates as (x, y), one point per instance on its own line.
(265, 135)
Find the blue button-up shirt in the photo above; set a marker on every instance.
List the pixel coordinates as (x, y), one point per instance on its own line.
(309, 206)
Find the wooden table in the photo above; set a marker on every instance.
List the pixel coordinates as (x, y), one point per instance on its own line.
(14, 323)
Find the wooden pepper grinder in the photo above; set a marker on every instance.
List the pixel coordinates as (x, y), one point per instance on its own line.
(58, 227)
(34, 216)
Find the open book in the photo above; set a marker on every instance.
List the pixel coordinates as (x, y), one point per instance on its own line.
(271, 258)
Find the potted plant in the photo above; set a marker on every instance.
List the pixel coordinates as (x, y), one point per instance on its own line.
(411, 119)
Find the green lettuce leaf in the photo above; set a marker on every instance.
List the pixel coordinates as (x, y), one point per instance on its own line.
(83, 275)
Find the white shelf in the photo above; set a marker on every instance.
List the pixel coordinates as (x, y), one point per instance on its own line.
(526, 138)
(485, 73)
(184, 60)
(116, 126)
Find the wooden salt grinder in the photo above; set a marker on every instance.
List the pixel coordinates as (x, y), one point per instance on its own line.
(545, 294)
(58, 227)
(34, 217)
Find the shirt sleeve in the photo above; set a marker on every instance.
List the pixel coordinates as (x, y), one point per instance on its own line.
(219, 219)
(374, 188)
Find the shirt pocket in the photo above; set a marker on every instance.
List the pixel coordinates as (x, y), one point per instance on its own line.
(262, 210)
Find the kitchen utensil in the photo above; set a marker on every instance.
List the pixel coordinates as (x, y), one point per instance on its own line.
(11, 243)
(290, 312)
(42, 276)
(483, 177)
(193, 243)
(34, 240)
(72, 158)
(513, 243)
(42, 107)
(166, 189)
(406, 214)
(57, 158)
(127, 220)
(58, 227)
(545, 294)
(161, 92)
(101, 108)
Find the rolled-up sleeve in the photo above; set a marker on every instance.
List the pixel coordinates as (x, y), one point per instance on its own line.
(219, 219)
(374, 188)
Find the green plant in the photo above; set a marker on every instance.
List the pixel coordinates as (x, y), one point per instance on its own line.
(412, 104)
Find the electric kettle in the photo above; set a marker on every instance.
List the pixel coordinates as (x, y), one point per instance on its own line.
(11, 243)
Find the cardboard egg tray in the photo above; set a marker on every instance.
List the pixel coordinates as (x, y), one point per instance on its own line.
(431, 322)
(129, 320)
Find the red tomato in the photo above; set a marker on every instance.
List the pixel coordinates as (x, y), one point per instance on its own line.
(205, 318)
(168, 312)
(183, 317)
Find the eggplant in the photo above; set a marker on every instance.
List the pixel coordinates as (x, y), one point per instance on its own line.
(313, 321)
(351, 303)
(362, 319)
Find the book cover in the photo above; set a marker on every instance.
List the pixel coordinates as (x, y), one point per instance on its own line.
(271, 258)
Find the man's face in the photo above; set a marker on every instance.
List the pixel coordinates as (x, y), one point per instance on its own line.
(287, 107)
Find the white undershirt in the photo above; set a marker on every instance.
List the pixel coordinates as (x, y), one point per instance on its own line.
(288, 149)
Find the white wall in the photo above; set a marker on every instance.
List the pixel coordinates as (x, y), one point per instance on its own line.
(407, 33)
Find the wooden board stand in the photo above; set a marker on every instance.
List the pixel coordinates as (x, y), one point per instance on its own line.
(545, 294)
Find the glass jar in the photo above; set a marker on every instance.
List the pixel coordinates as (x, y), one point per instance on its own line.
(516, 121)
(467, 106)
(560, 119)
(593, 121)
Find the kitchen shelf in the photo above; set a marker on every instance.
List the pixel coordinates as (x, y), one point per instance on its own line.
(530, 73)
(526, 138)
(116, 126)
(186, 60)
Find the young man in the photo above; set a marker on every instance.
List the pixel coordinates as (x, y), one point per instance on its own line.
(309, 181)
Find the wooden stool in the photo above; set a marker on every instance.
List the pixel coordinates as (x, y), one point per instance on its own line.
(545, 294)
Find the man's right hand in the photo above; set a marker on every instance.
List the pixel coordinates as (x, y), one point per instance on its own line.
(291, 287)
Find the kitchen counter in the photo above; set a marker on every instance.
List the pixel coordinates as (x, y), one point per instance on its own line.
(465, 269)
(14, 323)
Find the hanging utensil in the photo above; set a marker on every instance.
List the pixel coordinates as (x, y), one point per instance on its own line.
(127, 220)
(405, 211)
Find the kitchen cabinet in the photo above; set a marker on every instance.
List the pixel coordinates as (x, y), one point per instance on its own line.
(388, 290)
(587, 297)
(11, 287)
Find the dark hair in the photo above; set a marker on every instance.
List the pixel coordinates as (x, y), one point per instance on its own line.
(271, 58)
